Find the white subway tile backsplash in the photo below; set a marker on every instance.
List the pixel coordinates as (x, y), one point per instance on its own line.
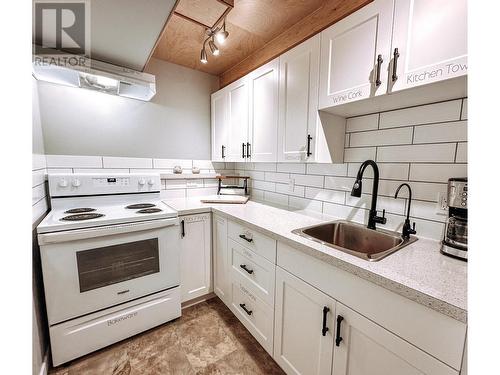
(210, 182)
(395, 206)
(38, 161)
(305, 204)
(173, 194)
(263, 185)
(325, 195)
(437, 172)
(359, 154)
(39, 209)
(38, 193)
(268, 167)
(327, 169)
(73, 161)
(122, 162)
(356, 124)
(203, 164)
(198, 183)
(276, 198)
(447, 132)
(291, 167)
(295, 190)
(307, 180)
(257, 194)
(277, 177)
(255, 175)
(464, 109)
(397, 136)
(101, 170)
(461, 153)
(38, 177)
(426, 114)
(200, 192)
(339, 183)
(59, 170)
(426, 191)
(175, 184)
(444, 152)
(427, 211)
(171, 163)
(341, 211)
(388, 171)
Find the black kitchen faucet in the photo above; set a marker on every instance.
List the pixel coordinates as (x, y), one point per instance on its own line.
(356, 192)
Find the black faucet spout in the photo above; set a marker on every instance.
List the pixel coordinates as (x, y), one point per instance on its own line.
(407, 229)
(356, 192)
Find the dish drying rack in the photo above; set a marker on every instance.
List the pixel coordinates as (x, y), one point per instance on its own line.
(221, 187)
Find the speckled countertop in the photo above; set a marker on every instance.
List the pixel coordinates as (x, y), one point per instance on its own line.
(418, 271)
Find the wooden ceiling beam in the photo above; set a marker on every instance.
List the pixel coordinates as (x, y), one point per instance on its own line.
(327, 14)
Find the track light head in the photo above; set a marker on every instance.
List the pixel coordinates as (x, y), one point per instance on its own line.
(203, 56)
(214, 48)
(222, 34)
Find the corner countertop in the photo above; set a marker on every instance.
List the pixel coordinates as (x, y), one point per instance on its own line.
(418, 272)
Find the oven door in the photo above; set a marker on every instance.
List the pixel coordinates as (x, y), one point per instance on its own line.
(88, 270)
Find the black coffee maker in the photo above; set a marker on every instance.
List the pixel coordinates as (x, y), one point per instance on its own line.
(455, 235)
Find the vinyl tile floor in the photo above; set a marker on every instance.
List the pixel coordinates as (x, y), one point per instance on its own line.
(206, 339)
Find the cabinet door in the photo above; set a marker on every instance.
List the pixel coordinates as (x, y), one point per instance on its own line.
(264, 112)
(367, 348)
(431, 38)
(222, 282)
(219, 125)
(237, 97)
(195, 256)
(300, 347)
(350, 53)
(298, 101)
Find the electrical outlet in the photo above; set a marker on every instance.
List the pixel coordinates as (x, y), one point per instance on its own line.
(442, 203)
(291, 185)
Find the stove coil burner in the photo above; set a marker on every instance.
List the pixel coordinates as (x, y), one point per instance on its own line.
(149, 211)
(78, 217)
(140, 205)
(79, 210)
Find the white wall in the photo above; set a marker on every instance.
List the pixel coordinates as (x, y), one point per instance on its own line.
(423, 146)
(39, 208)
(175, 124)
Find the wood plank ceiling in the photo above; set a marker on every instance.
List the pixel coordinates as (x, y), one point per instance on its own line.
(252, 25)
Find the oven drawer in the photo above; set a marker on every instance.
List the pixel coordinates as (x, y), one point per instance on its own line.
(255, 315)
(257, 272)
(255, 241)
(84, 335)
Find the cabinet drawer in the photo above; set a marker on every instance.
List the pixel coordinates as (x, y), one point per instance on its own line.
(261, 244)
(255, 315)
(257, 272)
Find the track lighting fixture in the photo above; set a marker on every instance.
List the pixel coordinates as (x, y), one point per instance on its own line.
(213, 48)
(222, 34)
(215, 33)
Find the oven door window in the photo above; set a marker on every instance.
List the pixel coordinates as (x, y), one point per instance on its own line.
(109, 265)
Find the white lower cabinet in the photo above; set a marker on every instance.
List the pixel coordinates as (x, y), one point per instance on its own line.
(303, 326)
(196, 256)
(366, 348)
(222, 280)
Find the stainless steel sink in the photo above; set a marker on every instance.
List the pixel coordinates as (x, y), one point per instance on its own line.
(355, 239)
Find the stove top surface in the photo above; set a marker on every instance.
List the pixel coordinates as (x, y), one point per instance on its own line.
(84, 212)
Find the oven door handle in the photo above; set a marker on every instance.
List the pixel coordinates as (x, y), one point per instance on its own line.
(106, 230)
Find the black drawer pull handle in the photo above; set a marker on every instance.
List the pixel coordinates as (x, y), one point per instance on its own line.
(223, 148)
(249, 312)
(325, 329)
(183, 229)
(243, 150)
(395, 65)
(248, 150)
(244, 266)
(338, 338)
(380, 60)
(246, 238)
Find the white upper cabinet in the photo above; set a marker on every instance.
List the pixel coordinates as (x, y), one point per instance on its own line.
(237, 119)
(298, 101)
(355, 55)
(219, 125)
(431, 39)
(263, 104)
(363, 347)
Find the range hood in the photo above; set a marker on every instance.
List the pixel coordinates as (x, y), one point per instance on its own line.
(95, 75)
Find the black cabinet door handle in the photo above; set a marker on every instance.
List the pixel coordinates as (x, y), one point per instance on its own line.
(380, 60)
(183, 229)
(246, 238)
(243, 150)
(395, 65)
(325, 329)
(248, 150)
(309, 153)
(223, 148)
(244, 266)
(243, 306)
(338, 338)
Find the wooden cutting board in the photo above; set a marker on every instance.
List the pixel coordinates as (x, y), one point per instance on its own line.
(231, 199)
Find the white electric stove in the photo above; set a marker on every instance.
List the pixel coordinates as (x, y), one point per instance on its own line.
(110, 260)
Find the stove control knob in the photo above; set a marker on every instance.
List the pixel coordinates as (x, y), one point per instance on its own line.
(142, 181)
(63, 182)
(151, 182)
(76, 182)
